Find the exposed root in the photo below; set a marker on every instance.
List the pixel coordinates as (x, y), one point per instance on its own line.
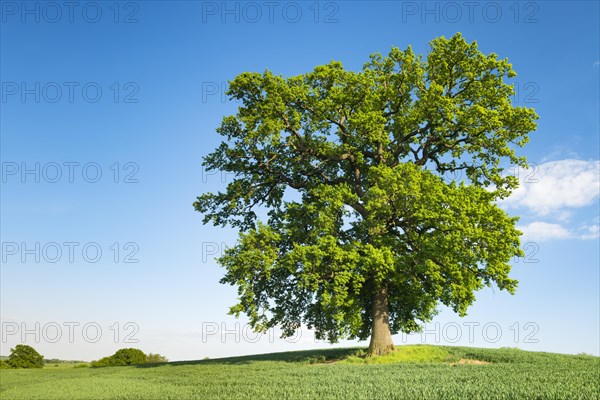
(379, 350)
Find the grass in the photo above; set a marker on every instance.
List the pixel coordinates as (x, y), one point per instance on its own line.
(66, 364)
(411, 372)
(403, 354)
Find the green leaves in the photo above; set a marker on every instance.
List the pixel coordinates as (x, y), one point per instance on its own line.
(349, 165)
(24, 356)
(129, 356)
(452, 238)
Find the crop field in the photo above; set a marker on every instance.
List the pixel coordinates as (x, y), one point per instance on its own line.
(65, 365)
(411, 372)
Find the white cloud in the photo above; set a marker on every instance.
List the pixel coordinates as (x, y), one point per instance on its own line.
(542, 231)
(590, 232)
(553, 186)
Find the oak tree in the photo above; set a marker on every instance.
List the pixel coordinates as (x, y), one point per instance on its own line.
(24, 356)
(378, 191)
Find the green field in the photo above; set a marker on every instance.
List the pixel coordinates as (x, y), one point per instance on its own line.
(412, 372)
(65, 364)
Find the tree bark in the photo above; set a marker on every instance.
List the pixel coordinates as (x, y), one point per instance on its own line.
(381, 337)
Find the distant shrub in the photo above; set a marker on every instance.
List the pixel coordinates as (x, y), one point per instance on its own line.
(128, 357)
(23, 356)
(155, 358)
(103, 362)
(122, 357)
(81, 365)
(4, 365)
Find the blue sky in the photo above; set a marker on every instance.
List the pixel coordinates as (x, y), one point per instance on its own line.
(132, 92)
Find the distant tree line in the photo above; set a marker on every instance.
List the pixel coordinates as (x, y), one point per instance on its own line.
(59, 361)
(24, 356)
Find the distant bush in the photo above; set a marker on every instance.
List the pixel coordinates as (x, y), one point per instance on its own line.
(155, 358)
(103, 362)
(23, 356)
(122, 357)
(128, 357)
(4, 365)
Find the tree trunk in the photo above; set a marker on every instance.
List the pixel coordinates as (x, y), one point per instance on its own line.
(381, 337)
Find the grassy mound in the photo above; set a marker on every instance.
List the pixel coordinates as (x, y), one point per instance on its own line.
(403, 354)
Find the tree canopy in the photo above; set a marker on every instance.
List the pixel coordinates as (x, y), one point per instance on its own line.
(129, 356)
(24, 356)
(364, 233)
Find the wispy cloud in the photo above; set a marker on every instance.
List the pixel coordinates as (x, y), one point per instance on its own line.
(589, 232)
(544, 231)
(541, 231)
